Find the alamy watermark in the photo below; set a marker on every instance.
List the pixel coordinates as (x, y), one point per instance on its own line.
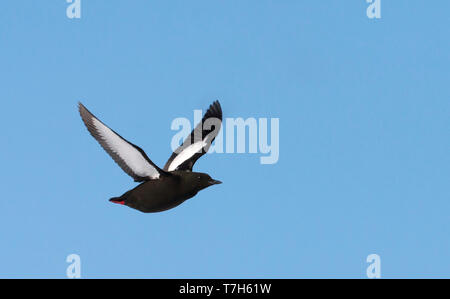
(74, 269)
(73, 11)
(374, 9)
(374, 269)
(234, 140)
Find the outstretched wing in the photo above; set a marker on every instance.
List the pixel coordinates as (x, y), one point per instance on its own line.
(131, 158)
(198, 142)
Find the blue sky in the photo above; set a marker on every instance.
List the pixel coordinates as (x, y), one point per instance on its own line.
(364, 137)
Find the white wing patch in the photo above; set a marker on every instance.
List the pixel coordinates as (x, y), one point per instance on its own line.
(187, 153)
(129, 154)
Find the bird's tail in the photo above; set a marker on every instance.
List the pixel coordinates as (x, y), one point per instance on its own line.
(121, 199)
(117, 200)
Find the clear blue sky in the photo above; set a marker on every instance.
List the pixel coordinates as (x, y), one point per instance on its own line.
(364, 137)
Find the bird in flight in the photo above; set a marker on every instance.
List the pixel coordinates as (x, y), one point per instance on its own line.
(160, 189)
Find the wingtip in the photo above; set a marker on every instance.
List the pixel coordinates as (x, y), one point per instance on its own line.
(216, 107)
(84, 112)
(86, 115)
(81, 106)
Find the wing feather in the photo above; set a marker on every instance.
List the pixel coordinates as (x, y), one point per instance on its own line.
(131, 158)
(198, 142)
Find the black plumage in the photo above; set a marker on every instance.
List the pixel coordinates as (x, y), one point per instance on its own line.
(161, 189)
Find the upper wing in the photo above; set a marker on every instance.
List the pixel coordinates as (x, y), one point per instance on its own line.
(198, 142)
(131, 158)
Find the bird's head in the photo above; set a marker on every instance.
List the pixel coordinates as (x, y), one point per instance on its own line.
(203, 180)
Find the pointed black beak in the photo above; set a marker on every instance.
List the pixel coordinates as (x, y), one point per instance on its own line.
(215, 182)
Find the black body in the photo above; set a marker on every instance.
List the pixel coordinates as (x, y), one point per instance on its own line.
(165, 193)
(161, 189)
